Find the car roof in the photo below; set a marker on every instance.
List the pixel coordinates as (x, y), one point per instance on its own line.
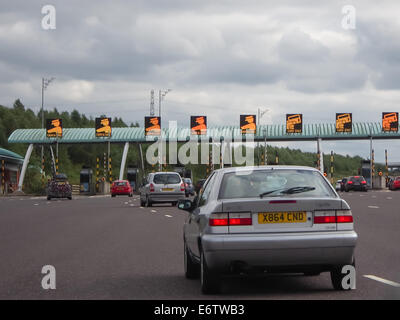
(165, 172)
(280, 167)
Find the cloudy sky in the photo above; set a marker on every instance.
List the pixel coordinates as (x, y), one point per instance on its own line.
(221, 58)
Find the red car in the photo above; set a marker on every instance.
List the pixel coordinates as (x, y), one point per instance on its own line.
(394, 183)
(121, 187)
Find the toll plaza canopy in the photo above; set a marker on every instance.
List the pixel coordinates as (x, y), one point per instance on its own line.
(10, 156)
(277, 132)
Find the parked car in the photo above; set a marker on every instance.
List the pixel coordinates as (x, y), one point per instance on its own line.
(121, 187)
(162, 187)
(281, 219)
(59, 187)
(338, 185)
(343, 184)
(199, 184)
(394, 183)
(189, 188)
(356, 183)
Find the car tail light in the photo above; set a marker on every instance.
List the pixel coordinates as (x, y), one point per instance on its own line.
(363, 182)
(231, 219)
(283, 201)
(339, 216)
(240, 219)
(325, 219)
(344, 219)
(349, 182)
(182, 187)
(151, 187)
(218, 220)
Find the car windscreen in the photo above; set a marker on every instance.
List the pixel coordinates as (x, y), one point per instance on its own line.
(274, 183)
(167, 179)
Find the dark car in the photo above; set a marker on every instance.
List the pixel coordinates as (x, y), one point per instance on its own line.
(394, 183)
(199, 185)
(59, 187)
(356, 183)
(343, 183)
(189, 188)
(121, 187)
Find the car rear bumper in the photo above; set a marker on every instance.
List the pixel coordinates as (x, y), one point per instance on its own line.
(260, 250)
(121, 193)
(166, 197)
(358, 188)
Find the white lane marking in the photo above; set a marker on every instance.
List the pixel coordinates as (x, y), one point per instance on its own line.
(390, 283)
(125, 202)
(373, 207)
(167, 215)
(153, 211)
(132, 205)
(373, 196)
(36, 204)
(389, 198)
(141, 207)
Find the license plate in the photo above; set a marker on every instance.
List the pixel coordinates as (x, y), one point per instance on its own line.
(282, 217)
(167, 189)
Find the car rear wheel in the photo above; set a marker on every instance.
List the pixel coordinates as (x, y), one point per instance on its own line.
(337, 276)
(209, 280)
(131, 195)
(113, 195)
(192, 269)
(148, 202)
(48, 198)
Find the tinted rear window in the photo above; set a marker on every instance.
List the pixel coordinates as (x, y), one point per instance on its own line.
(120, 183)
(357, 179)
(250, 184)
(167, 179)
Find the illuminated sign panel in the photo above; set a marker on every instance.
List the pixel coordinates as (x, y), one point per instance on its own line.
(344, 122)
(248, 123)
(103, 127)
(294, 123)
(152, 126)
(390, 121)
(54, 128)
(198, 125)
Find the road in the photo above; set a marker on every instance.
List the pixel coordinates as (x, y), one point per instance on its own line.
(111, 248)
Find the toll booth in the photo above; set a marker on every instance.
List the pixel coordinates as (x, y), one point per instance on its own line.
(132, 175)
(184, 173)
(366, 171)
(87, 184)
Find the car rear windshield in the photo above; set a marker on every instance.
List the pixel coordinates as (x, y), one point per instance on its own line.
(187, 180)
(120, 183)
(167, 178)
(274, 183)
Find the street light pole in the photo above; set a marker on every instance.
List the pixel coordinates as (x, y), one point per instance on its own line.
(259, 116)
(45, 83)
(161, 95)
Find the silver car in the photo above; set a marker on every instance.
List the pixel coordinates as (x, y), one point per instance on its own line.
(162, 187)
(283, 219)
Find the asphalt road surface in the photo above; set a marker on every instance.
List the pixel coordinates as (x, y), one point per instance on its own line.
(111, 248)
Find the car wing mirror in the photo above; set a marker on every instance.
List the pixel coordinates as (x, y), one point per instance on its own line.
(185, 204)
